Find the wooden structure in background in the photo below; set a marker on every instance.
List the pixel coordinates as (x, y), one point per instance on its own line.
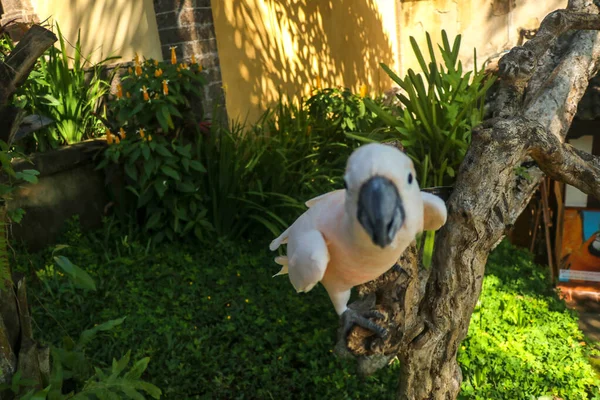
(561, 225)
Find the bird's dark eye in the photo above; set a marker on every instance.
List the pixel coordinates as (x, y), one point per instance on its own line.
(410, 178)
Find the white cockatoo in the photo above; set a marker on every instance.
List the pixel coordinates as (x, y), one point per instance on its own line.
(351, 236)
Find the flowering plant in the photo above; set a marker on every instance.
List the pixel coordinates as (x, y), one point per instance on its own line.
(151, 110)
(157, 96)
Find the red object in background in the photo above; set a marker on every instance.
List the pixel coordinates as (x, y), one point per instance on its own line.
(205, 127)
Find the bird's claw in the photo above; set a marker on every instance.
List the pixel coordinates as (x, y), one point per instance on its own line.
(351, 317)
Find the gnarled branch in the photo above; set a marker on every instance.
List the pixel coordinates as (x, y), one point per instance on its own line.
(562, 162)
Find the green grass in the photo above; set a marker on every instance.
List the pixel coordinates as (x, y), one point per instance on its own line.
(217, 326)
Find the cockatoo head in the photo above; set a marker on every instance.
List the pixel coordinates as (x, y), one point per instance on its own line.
(382, 194)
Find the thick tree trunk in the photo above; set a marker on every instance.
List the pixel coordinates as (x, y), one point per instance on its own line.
(428, 316)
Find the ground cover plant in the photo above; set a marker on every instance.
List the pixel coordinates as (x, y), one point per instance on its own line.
(216, 325)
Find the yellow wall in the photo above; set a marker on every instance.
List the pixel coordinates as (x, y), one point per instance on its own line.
(108, 27)
(483, 24)
(266, 46)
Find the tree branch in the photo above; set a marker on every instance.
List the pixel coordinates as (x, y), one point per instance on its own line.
(17, 66)
(564, 163)
(517, 67)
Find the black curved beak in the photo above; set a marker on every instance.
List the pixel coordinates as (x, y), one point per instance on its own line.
(380, 210)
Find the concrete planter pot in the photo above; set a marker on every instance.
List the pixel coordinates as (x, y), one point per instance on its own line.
(68, 186)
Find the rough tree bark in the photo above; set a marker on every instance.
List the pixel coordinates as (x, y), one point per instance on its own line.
(428, 312)
(18, 350)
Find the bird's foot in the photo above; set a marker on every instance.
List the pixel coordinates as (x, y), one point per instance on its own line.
(352, 317)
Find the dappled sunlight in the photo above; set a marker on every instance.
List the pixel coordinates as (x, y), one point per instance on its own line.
(485, 25)
(268, 47)
(108, 28)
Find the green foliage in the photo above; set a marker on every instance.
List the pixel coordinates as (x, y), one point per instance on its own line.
(157, 97)
(523, 342)
(216, 325)
(6, 46)
(7, 185)
(163, 175)
(341, 109)
(161, 162)
(260, 176)
(442, 104)
(232, 182)
(69, 90)
(72, 375)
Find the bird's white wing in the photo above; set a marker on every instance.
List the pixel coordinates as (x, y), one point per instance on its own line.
(308, 257)
(281, 239)
(434, 212)
(310, 203)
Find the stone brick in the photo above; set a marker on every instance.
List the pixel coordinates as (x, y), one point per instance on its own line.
(185, 34)
(161, 6)
(185, 17)
(213, 74)
(188, 25)
(201, 49)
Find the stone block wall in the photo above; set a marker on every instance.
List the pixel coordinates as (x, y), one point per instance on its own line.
(188, 26)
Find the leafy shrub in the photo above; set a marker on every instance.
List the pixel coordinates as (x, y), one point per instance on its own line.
(442, 104)
(70, 95)
(73, 374)
(260, 176)
(340, 109)
(156, 143)
(157, 97)
(232, 181)
(216, 325)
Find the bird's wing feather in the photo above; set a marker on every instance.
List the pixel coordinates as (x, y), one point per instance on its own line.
(308, 257)
(310, 203)
(282, 239)
(434, 212)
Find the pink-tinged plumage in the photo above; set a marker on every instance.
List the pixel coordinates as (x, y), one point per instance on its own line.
(327, 243)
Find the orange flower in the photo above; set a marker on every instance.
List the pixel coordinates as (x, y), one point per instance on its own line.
(117, 140)
(119, 91)
(141, 132)
(199, 68)
(138, 67)
(193, 59)
(109, 136)
(165, 87)
(145, 93)
(149, 138)
(122, 132)
(130, 70)
(158, 72)
(363, 91)
(156, 63)
(173, 55)
(128, 95)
